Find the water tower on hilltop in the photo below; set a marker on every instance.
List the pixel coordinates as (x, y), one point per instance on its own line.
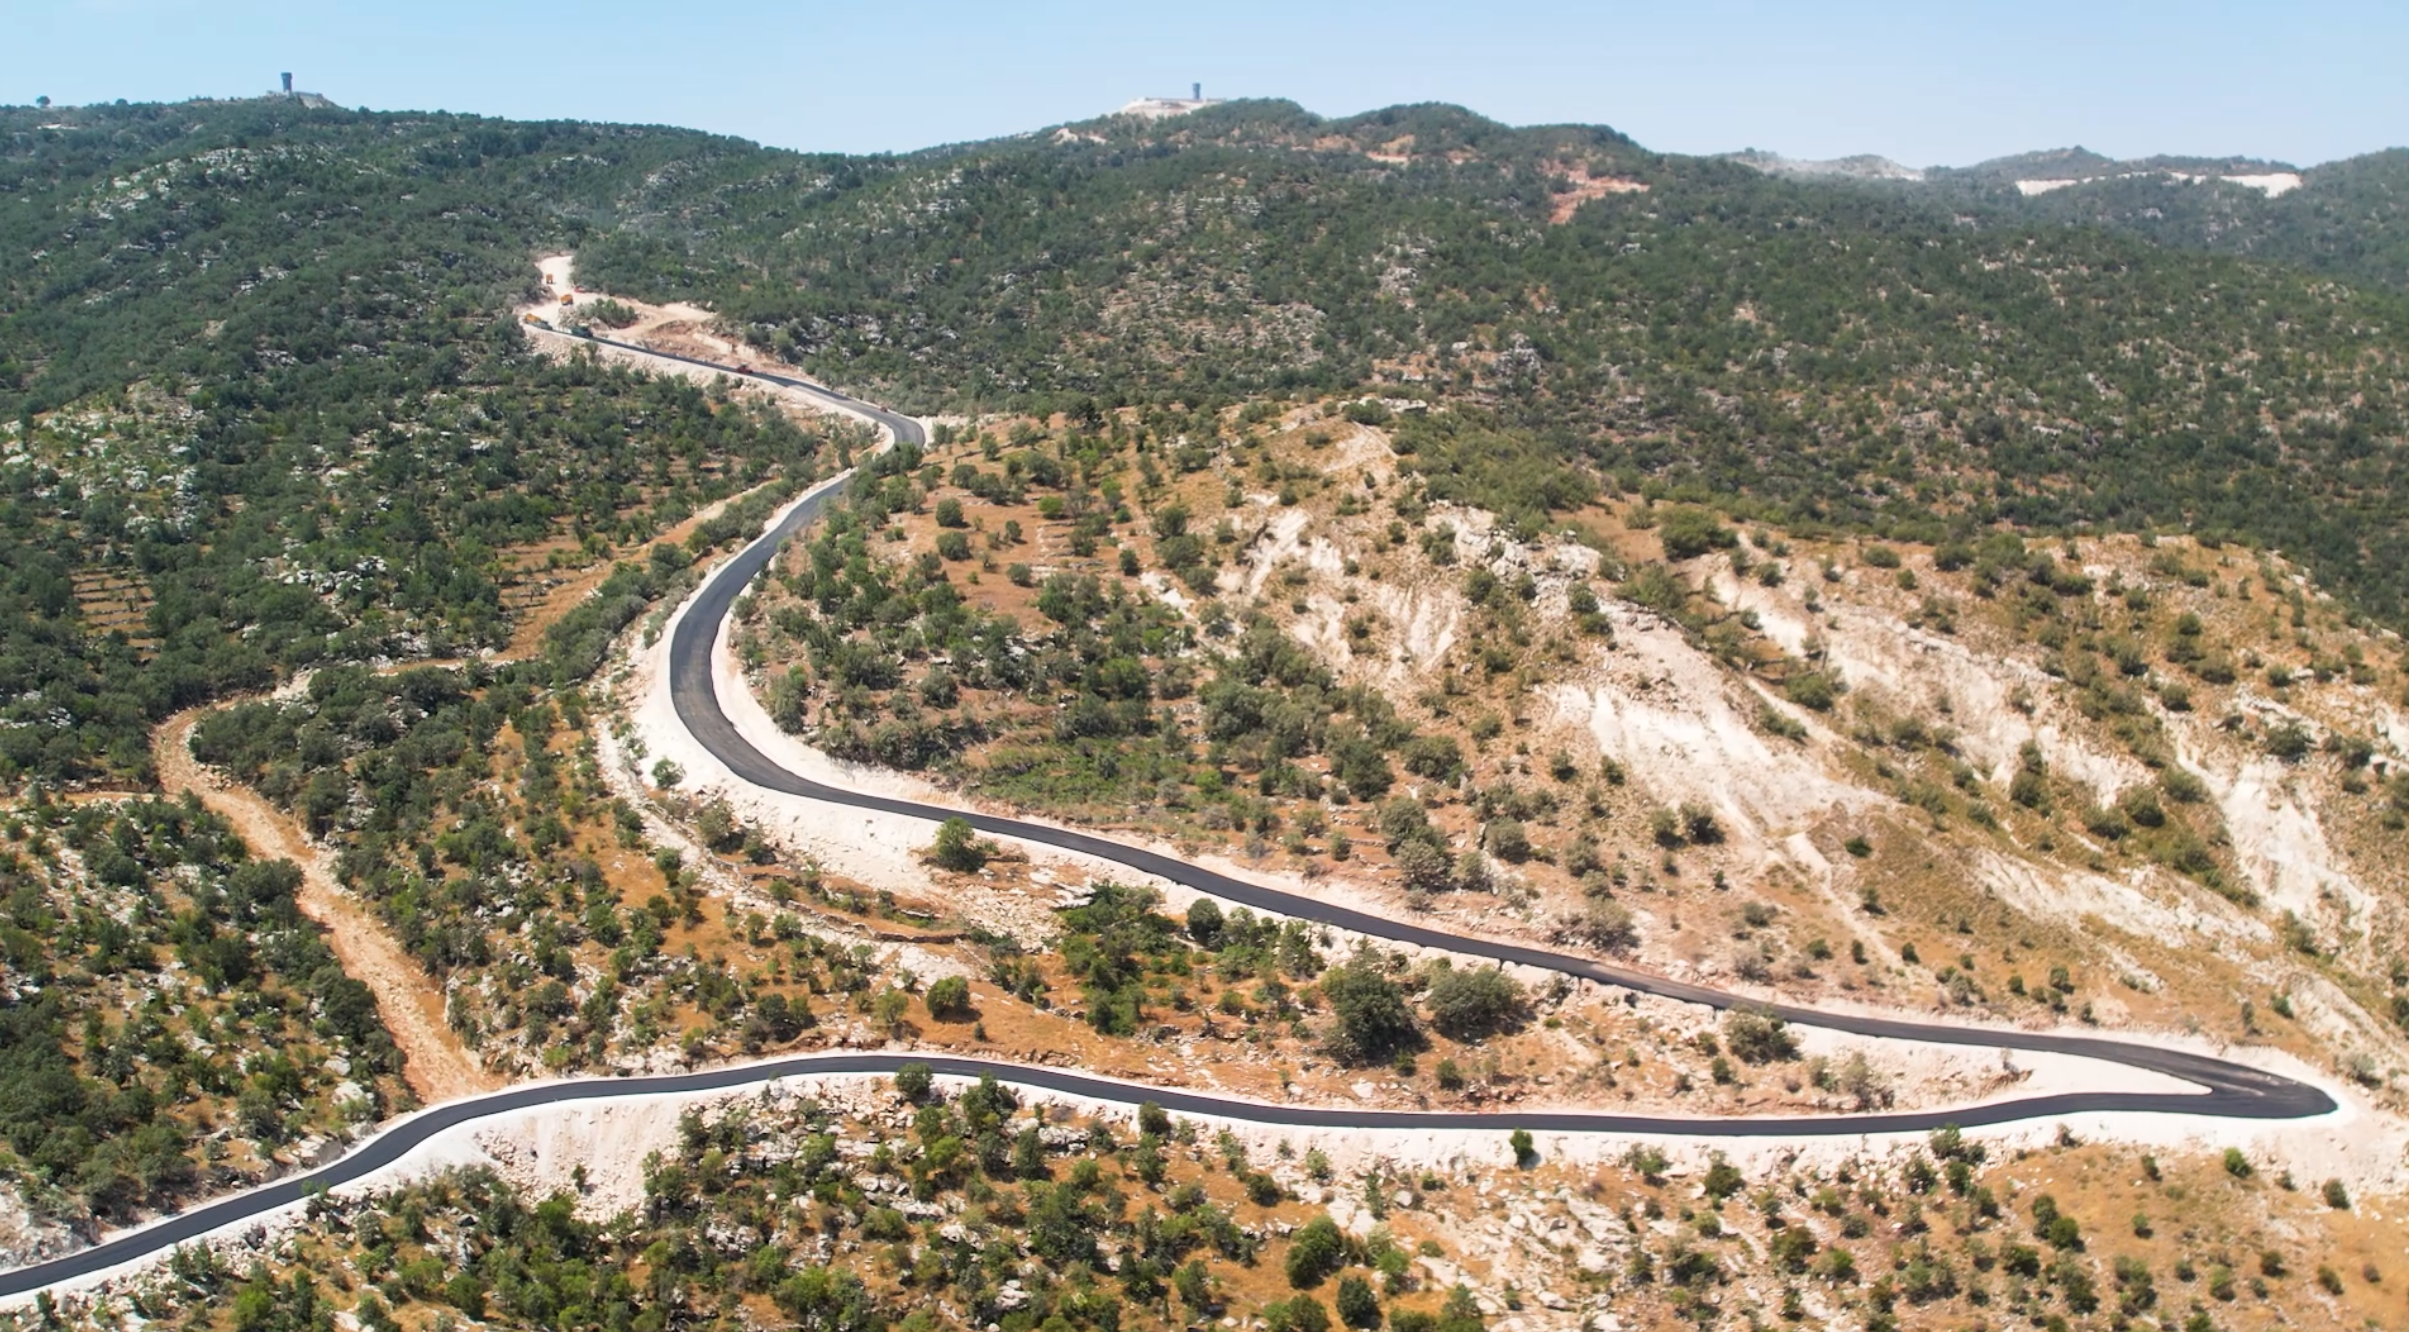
(285, 91)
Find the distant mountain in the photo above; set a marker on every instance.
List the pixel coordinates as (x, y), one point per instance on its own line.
(1834, 344)
(2348, 218)
(2032, 174)
(1861, 166)
(2047, 164)
(1837, 347)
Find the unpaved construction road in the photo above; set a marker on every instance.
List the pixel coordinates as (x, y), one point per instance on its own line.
(435, 1064)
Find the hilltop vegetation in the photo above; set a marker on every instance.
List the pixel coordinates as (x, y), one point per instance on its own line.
(172, 1027)
(1829, 352)
(2351, 219)
(264, 412)
(1382, 499)
(211, 244)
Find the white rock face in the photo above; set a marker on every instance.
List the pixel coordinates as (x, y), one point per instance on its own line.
(1163, 108)
(24, 1238)
(2273, 184)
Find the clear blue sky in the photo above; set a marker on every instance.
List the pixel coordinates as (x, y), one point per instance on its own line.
(1939, 82)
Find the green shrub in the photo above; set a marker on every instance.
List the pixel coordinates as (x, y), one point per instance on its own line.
(1688, 532)
(1467, 1003)
(1317, 1250)
(1205, 922)
(957, 848)
(948, 1000)
(1723, 1179)
(1757, 1036)
(1812, 689)
(1370, 1019)
(1506, 840)
(1357, 1306)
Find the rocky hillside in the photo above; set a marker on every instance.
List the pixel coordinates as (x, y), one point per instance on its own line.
(1906, 359)
(1843, 591)
(2136, 784)
(966, 1205)
(1909, 360)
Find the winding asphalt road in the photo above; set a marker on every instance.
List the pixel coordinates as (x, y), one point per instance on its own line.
(2227, 1090)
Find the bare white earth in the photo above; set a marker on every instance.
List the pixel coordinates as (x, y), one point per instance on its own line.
(886, 850)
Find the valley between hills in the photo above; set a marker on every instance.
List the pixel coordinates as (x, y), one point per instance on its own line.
(379, 785)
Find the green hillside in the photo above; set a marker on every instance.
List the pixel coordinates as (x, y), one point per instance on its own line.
(2349, 219)
(264, 408)
(1865, 356)
(233, 337)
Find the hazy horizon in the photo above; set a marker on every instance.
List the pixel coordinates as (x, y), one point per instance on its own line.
(1268, 97)
(1921, 88)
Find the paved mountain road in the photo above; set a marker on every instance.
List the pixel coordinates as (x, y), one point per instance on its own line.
(2227, 1089)
(2230, 1089)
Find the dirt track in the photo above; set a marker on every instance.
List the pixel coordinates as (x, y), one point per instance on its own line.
(410, 1002)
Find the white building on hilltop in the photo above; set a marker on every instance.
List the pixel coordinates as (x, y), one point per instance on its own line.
(1155, 108)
